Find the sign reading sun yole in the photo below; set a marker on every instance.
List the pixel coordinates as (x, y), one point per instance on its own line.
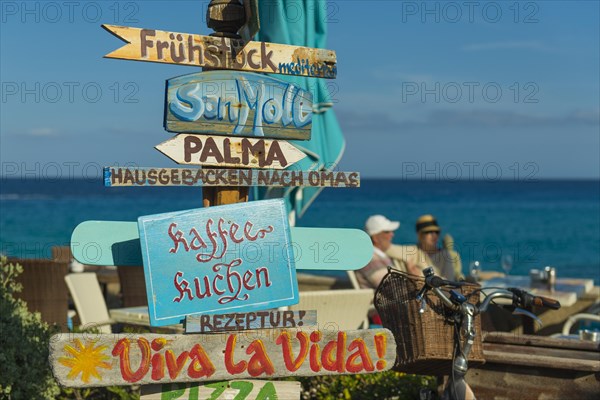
(237, 103)
(80, 360)
(220, 52)
(223, 151)
(117, 176)
(216, 260)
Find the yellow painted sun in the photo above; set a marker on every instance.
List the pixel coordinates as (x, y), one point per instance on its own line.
(85, 360)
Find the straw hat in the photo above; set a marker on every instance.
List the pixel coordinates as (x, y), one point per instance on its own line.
(427, 223)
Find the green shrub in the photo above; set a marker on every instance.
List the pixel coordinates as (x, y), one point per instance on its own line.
(24, 346)
(24, 338)
(381, 385)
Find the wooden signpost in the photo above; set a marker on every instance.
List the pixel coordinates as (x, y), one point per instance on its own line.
(217, 259)
(118, 243)
(237, 103)
(252, 25)
(250, 389)
(224, 269)
(86, 360)
(221, 52)
(118, 176)
(230, 151)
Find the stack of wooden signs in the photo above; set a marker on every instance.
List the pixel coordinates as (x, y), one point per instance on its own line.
(227, 269)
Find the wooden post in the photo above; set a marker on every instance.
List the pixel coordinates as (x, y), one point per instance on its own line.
(225, 17)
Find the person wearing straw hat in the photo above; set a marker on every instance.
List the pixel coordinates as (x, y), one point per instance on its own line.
(381, 230)
(445, 261)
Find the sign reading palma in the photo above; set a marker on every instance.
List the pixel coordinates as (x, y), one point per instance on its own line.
(80, 360)
(217, 259)
(230, 151)
(237, 103)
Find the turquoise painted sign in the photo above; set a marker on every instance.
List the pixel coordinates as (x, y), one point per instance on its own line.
(238, 103)
(118, 243)
(216, 260)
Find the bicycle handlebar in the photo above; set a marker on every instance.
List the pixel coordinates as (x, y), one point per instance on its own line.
(464, 312)
(527, 300)
(519, 297)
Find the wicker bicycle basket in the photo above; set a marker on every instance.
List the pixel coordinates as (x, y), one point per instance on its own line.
(424, 342)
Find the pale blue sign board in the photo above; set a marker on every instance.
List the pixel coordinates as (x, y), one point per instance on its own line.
(216, 260)
(233, 103)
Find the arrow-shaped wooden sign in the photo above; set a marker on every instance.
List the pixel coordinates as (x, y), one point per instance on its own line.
(220, 52)
(221, 151)
(84, 360)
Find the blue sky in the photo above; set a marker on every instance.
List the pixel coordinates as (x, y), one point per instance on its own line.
(424, 89)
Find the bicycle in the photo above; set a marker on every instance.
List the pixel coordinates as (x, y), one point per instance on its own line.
(462, 313)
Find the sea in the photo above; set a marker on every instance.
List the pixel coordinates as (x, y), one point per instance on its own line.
(538, 223)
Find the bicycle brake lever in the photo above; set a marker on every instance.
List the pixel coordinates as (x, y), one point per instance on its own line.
(423, 306)
(521, 311)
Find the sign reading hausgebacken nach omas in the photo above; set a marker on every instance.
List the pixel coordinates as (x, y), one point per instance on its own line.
(238, 103)
(219, 259)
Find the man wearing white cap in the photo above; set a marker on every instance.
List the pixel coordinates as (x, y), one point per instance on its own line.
(381, 230)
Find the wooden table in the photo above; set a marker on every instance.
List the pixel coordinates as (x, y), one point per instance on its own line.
(534, 367)
(574, 295)
(568, 290)
(137, 316)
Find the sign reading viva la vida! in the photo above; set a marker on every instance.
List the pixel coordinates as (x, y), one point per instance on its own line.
(83, 360)
(237, 103)
(217, 259)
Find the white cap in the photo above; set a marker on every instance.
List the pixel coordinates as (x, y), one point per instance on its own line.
(378, 223)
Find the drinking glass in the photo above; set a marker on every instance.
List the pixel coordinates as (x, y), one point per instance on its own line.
(507, 263)
(474, 270)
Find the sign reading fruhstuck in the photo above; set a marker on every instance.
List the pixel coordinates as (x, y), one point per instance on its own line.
(230, 258)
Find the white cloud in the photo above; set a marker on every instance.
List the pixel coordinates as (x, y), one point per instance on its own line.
(42, 132)
(528, 45)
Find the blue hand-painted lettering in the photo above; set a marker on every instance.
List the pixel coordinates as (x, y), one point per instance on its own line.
(267, 104)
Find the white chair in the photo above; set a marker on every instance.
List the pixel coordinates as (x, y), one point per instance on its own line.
(89, 301)
(353, 279)
(344, 309)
